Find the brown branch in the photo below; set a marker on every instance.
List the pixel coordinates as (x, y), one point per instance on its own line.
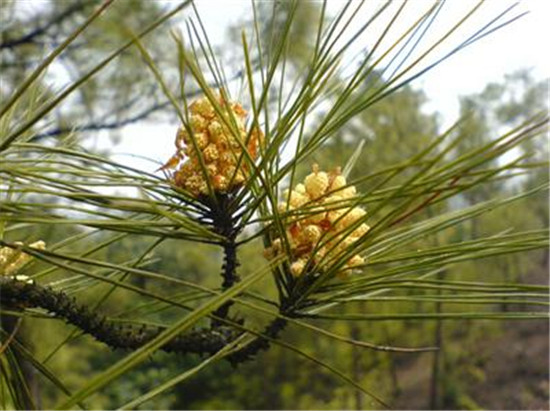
(424, 204)
(108, 125)
(11, 336)
(113, 125)
(40, 30)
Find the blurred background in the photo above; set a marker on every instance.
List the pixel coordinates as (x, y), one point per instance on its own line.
(496, 83)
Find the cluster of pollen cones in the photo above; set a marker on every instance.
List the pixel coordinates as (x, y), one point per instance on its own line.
(12, 260)
(321, 225)
(210, 148)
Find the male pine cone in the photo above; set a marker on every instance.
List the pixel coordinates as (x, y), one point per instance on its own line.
(214, 142)
(321, 226)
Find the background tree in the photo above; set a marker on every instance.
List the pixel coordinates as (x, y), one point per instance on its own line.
(122, 94)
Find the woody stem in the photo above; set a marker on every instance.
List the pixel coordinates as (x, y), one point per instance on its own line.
(19, 294)
(224, 224)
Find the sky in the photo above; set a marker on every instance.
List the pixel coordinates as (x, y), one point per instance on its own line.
(519, 45)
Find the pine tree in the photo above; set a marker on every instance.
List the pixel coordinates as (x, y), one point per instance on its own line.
(248, 179)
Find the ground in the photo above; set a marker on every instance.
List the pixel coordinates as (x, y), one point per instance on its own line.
(511, 370)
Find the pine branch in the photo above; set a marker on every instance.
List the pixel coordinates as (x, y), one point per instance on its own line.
(223, 222)
(20, 294)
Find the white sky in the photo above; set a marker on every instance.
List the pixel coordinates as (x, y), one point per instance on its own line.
(519, 45)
